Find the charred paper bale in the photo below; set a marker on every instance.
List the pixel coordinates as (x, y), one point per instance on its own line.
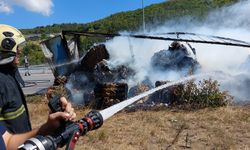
(60, 81)
(108, 94)
(81, 82)
(140, 88)
(168, 95)
(94, 55)
(58, 88)
(123, 72)
(103, 73)
(176, 58)
(55, 91)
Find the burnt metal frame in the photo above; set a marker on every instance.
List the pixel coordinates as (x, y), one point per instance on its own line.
(213, 39)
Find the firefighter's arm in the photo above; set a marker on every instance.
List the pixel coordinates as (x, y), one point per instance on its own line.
(12, 141)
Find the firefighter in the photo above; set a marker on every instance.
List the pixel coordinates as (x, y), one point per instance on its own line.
(14, 113)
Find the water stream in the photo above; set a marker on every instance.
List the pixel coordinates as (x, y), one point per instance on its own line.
(66, 63)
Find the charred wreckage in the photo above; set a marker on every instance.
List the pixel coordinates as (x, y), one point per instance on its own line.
(96, 84)
(89, 80)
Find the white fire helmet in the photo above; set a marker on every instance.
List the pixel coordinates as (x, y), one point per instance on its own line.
(10, 39)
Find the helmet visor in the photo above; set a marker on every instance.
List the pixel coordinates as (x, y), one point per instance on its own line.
(21, 46)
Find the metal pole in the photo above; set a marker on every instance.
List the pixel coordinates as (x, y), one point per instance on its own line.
(143, 17)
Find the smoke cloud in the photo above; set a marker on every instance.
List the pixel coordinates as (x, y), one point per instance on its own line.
(232, 22)
(39, 6)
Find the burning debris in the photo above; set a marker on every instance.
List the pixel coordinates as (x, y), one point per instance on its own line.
(56, 90)
(140, 88)
(109, 94)
(94, 55)
(166, 96)
(92, 80)
(103, 73)
(101, 85)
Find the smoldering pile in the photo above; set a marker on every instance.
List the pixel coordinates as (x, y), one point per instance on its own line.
(95, 84)
(92, 83)
(96, 70)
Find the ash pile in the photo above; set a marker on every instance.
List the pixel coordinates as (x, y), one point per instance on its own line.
(91, 81)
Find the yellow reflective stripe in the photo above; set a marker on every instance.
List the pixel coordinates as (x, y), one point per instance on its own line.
(12, 115)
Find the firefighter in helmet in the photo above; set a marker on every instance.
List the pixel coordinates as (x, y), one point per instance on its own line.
(11, 40)
(14, 112)
(14, 116)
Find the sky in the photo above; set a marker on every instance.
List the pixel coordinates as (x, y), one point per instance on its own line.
(24, 14)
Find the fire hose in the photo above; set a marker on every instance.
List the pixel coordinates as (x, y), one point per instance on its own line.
(93, 120)
(69, 135)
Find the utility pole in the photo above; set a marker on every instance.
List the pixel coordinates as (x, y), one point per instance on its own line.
(143, 17)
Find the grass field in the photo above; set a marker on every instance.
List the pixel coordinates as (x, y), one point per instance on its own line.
(217, 128)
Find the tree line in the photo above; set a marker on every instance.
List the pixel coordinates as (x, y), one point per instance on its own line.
(155, 15)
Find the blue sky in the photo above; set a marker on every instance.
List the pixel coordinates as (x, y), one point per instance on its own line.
(31, 13)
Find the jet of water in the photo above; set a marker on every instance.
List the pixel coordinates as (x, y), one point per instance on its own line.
(66, 63)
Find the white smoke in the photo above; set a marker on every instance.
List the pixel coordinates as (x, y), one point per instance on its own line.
(232, 22)
(39, 6)
(235, 17)
(134, 52)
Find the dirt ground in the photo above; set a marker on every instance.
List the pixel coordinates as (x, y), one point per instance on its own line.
(220, 128)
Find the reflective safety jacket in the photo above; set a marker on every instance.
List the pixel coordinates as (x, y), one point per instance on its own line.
(2, 131)
(13, 108)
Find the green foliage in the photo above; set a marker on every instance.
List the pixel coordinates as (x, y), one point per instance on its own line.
(201, 95)
(132, 20)
(44, 36)
(34, 53)
(155, 15)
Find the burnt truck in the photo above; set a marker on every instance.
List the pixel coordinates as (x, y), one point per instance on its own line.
(89, 80)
